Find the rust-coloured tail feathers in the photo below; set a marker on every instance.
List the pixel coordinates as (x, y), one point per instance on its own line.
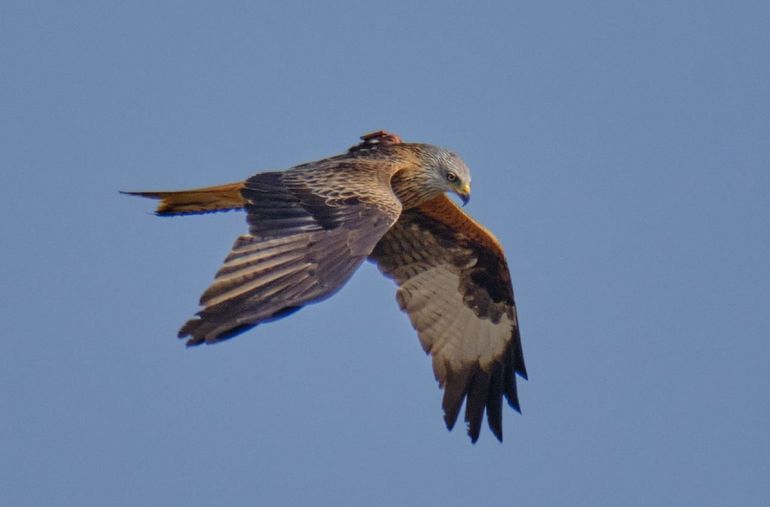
(199, 200)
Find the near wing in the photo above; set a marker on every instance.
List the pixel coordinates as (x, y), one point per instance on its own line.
(304, 242)
(454, 284)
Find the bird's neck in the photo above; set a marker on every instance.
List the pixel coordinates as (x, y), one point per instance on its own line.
(411, 188)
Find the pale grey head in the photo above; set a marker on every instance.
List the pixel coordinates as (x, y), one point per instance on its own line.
(449, 172)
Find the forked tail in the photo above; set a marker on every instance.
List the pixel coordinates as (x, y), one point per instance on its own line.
(199, 200)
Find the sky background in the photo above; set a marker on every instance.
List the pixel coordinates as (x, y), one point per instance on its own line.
(620, 151)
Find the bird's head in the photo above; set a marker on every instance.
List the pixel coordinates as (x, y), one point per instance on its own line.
(449, 173)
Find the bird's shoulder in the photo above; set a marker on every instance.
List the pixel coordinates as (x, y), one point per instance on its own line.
(443, 211)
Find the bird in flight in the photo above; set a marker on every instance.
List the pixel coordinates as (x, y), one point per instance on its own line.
(311, 226)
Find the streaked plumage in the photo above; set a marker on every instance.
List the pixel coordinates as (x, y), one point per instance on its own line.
(311, 226)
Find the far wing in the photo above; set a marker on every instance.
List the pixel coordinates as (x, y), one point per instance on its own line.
(454, 284)
(306, 238)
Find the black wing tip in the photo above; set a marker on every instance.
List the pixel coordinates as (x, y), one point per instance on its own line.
(496, 431)
(518, 357)
(495, 401)
(473, 428)
(199, 330)
(481, 392)
(449, 422)
(455, 391)
(198, 336)
(187, 330)
(512, 395)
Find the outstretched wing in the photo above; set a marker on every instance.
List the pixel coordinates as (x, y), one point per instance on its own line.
(454, 284)
(309, 229)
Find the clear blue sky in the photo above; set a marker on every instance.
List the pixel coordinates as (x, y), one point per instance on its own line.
(620, 152)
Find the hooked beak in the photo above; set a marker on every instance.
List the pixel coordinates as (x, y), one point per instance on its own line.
(465, 193)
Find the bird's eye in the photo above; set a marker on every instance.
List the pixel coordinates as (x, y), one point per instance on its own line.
(451, 177)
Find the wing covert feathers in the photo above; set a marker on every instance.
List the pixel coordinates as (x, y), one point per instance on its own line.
(455, 286)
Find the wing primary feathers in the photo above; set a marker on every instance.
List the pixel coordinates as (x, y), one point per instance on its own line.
(189, 328)
(478, 391)
(495, 402)
(518, 357)
(455, 389)
(509, 384)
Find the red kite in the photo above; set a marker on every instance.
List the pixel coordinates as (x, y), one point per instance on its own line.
(311, 226)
